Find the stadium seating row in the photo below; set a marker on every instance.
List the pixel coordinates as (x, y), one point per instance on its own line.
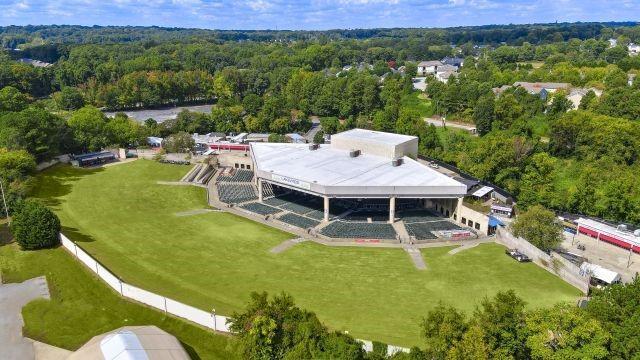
(259, 208)
(420, 231)
(415, 216)
(241, 175)
(359, 230)
(233, 193)
(298, 221)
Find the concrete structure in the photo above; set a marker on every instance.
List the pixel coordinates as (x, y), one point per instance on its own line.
(132, 342)
(634, 49)
(360, 164)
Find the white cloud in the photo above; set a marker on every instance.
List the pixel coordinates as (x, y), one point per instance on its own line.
(259, 5)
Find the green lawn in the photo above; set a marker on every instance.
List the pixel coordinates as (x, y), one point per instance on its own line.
(81, 306)
(417, 102)
(120, 215)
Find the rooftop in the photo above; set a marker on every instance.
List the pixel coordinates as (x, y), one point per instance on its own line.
(374, 136)
(332, 171)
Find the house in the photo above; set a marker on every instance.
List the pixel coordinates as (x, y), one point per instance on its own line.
(453, 61)
(443, 76)
(576, 95)
(541, 88)
(613, 43)
(36, 63)
(428, 67)
(634, 49)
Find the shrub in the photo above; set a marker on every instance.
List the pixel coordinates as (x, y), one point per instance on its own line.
(35, 226)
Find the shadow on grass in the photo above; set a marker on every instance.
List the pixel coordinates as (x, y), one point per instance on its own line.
(191, 351)
(57, 182)
(75, 234)
(5, 235)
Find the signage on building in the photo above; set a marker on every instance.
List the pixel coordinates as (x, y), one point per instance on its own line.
(291, 181)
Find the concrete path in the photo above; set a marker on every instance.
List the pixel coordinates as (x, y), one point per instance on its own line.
(463, 247)
(12, 298)
(194, 212)
(180, 183)
(416, 257)
(438, 123)
(286, 245)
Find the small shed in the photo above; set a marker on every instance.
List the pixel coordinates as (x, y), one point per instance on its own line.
(483, 193)
(599, 275)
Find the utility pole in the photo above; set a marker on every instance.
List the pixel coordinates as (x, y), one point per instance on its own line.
(4, 200)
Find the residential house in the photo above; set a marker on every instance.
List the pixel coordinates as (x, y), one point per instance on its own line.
(541, 88)
(613, 43)
(634, 49)
(576, 95)
(443, 76)
(428, 67)
(453, 61)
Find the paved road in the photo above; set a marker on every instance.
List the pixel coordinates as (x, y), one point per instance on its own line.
(12, 298)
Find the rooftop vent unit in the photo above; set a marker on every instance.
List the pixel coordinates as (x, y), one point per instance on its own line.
(396, 162)
(636, 233)
(354, 153)
(622, 227)
(314, 147)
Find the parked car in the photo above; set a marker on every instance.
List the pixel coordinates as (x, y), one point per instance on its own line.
(520, 257)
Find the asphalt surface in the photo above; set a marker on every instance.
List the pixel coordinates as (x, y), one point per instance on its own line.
(13, 346)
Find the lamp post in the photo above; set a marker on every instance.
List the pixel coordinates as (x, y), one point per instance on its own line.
(213, 314)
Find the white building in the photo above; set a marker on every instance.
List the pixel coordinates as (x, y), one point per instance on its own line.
(428, 67)
(634, 49)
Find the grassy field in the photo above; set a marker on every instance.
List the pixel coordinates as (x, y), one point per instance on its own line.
(121, 216)
(81, 306)
(417, 102)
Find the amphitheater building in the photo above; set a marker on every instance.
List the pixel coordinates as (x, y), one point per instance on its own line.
(358, 164)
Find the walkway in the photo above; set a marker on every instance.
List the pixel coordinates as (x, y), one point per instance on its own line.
(12, 298)
(286, 245)
(438, 123)
(464, 247)
(416, 257)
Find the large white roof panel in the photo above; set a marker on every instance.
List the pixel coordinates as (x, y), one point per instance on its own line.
(334, 172)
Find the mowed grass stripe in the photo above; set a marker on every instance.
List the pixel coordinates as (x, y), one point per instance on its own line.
(215, 260)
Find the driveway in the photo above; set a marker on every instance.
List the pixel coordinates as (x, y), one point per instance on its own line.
(12, 298)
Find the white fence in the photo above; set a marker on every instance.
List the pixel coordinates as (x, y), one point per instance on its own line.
(552, 262)
(162, 303)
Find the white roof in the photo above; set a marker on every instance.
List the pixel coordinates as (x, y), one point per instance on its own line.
(374, 136)
(332, 171)
(132, 343)
(483, 191)
(600, 273)
(609, 230)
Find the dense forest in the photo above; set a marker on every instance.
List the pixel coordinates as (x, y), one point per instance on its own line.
(581, 159)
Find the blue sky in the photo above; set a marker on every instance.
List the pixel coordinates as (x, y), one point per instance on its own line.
(313, 14)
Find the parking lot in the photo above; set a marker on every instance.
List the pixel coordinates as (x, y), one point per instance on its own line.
(604, 254)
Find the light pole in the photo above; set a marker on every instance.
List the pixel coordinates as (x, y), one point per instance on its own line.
(4, 200)
(213, 314)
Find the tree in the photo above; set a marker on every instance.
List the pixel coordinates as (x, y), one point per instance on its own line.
(36, 130)
(502, 320)
(318, 138)
(252, 103)
(87, 125)
(618, 310)
(181, 142)
(559, 105)
(483, 114)
(34, 226)
(11, 99)
(277, 329)
(565, 332)
(69, 98)
(538, 226)
(587, 100)
(123, 131)
(471, 346)
(442, 328)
